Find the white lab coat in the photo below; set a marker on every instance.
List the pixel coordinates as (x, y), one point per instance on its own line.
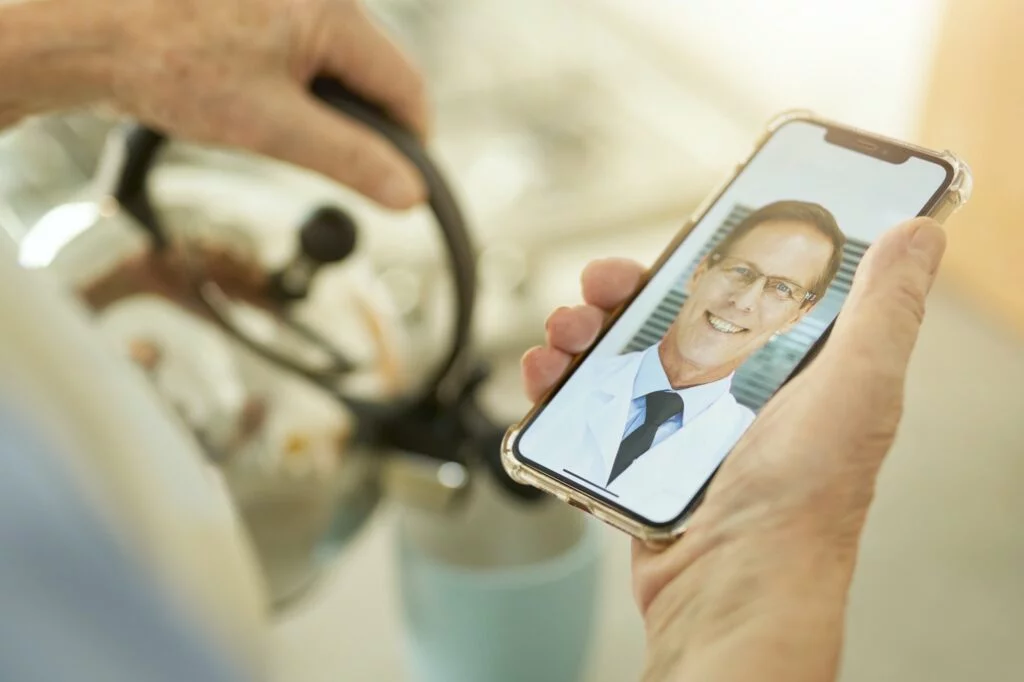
(581, 429)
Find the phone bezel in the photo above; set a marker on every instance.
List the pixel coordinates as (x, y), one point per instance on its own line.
(877, 146)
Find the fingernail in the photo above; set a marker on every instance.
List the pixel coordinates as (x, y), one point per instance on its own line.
(402, 191)
(927, 245)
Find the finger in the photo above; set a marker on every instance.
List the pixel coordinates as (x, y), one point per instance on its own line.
(360, 54)
(542, 366)
(880, 322)
(851, 396)
(573, 330)
(297, 128)
(610, 281)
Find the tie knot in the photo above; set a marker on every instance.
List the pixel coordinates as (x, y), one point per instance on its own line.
(662, 405)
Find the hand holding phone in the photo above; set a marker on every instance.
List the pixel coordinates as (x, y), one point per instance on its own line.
(756, 588)
(736, 306)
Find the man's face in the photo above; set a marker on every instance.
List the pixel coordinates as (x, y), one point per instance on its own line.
(737, 304)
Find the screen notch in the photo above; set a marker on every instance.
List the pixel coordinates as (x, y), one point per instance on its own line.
(867, 145)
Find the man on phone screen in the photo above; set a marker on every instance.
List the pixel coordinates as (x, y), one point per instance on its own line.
(649, 427)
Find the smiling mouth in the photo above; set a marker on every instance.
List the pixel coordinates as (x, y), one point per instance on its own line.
(723, 326)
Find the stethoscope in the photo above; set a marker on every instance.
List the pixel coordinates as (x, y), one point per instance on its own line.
(440, 419)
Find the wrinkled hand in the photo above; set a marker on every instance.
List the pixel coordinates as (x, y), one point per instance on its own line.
(236, 73)
(756, 588)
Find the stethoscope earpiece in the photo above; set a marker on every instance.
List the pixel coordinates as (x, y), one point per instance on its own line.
(326, 237)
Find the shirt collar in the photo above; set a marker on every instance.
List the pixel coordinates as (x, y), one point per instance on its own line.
(651, 377)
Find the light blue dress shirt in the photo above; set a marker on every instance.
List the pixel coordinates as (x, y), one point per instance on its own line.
(651, 377)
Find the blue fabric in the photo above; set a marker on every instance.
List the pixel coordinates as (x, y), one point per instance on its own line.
(76, 606)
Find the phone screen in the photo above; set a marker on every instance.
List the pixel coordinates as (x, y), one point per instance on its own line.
(649, 414)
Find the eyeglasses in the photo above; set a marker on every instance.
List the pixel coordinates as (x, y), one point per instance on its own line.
(742, 273)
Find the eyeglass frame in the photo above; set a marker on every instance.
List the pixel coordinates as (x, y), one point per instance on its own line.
(808, 297)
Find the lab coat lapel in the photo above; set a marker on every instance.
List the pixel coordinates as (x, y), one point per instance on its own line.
(608, 407)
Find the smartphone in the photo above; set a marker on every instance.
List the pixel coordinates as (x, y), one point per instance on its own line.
(732, 309)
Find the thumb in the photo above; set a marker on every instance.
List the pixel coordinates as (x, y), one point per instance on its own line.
(295, 127)
(880, 322)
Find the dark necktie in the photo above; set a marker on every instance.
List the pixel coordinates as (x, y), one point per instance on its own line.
(661, 406)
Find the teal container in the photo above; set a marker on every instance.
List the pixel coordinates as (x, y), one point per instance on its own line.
(528, 623)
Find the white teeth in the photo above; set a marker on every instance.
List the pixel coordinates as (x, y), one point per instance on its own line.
(724, 326)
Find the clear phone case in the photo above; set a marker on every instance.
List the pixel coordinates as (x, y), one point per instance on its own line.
(955, 196)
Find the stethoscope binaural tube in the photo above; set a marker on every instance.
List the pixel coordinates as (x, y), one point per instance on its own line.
(143, 145)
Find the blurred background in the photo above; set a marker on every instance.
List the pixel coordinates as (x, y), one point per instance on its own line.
(587, 128)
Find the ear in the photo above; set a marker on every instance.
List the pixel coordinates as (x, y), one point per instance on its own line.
(698, 272)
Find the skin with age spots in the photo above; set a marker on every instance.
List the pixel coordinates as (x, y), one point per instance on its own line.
(726, 319)
(222, 72)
